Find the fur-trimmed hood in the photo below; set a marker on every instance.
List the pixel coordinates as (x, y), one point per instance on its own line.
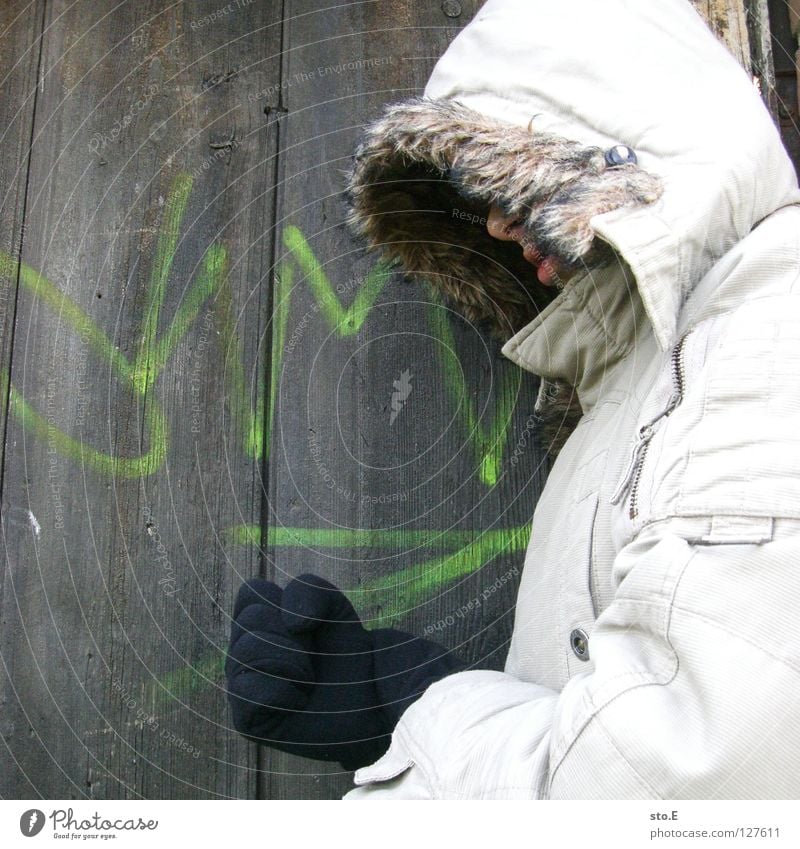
(521, 110)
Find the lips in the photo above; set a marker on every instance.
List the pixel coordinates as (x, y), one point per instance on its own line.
(546, 266)
(547, 272)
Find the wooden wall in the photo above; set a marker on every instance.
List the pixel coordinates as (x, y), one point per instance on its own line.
(200, 372)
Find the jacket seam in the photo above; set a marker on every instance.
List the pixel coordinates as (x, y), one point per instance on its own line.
(639, 777)
(739, 636)
(614, 346)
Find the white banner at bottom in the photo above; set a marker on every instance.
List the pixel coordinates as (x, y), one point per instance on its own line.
(385, 825)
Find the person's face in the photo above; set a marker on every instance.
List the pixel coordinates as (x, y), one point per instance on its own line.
(549, 270)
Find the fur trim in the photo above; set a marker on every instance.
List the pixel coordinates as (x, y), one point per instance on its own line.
(419, 192)
(557, 413)
(421, 184)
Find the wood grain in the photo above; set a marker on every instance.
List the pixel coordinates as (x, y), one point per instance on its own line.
(124, 578)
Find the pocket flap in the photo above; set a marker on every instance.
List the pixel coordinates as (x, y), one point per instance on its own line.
(393, 763)
(739, 530)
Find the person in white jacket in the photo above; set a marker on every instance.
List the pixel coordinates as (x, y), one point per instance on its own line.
(640, 252)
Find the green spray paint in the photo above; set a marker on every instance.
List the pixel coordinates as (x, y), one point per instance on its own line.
(284, 278)
(380, 602)
(347, 537)
(153, 353)
(346, 322)
(34, 422)
(146, 369)
(137, 377)
(487, 442)
(471, 551)
(249, 422)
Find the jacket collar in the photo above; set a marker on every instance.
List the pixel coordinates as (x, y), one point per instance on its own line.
(594, 323)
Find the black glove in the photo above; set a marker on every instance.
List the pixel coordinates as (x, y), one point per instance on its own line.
(306, 677)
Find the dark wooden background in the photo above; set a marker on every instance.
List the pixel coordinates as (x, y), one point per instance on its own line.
(198, 371)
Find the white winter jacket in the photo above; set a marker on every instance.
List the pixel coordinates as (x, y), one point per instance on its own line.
(656, 645)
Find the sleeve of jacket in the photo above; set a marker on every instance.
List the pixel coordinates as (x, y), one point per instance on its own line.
(692, 695)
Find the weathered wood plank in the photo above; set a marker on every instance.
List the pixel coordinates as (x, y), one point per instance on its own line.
(397, 418)
(20, 47)
(763, 64)
(728, 20)
(141, 349)
(779, 35)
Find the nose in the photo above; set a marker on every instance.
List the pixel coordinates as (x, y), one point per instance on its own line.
(498, 224)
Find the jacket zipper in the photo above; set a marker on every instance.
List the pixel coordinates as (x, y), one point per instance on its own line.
(633, 473)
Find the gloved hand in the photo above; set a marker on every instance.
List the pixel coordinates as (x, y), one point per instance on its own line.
(306, 677)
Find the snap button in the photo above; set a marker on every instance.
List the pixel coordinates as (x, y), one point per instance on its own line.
(580, 644)
(620, 154)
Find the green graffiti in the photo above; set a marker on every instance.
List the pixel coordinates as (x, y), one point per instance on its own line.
(187, 680)
(472, 550)
(250, 423)
(34, 422)
(146, 369)
(346, 537)
(153, 352)
(155, 357)
(381, 602)
(346, 322)
(284, 278)
(343, 321)
(488, 443)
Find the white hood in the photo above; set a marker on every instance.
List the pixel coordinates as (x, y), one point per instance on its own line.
(650, 75)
